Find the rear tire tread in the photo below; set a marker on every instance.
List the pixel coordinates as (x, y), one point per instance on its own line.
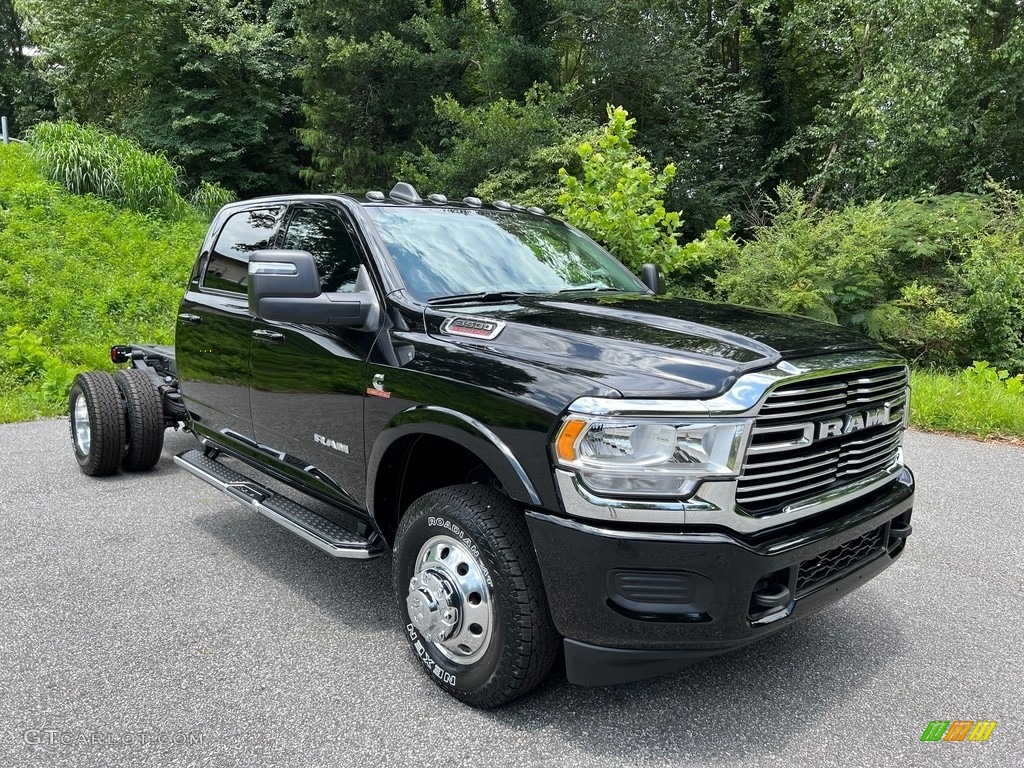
(144, 419)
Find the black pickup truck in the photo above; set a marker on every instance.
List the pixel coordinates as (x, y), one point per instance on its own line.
(558, 459)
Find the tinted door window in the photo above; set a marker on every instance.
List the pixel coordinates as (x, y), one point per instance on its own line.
(244, 233)
(324, 234)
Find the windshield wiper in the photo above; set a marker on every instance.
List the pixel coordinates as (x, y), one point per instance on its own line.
(591, 289)
(483, 297)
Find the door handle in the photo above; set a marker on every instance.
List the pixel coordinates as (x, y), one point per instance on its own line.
(185, 317)
(268, 337)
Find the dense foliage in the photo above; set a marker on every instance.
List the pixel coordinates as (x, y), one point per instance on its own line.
(86, 160)
(857, 161)
(939, 277)
(208, 82)
(846, 100)
(78, 274)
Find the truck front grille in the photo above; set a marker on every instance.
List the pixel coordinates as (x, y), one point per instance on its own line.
(814, 435)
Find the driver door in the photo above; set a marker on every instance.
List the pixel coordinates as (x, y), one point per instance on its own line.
(308, 381)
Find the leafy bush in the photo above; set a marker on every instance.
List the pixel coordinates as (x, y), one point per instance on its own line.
(505, 150)
(44, 378)
(87, 160)
(941, 278)
(980, 400)
(620, 199)
(982, 370)
(77, 275)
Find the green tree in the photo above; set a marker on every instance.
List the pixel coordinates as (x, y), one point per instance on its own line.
(206, 81)
(369, 72)
(511, 43)
(503, 150)
(24, 98)
(229, 110)
(681, 70)
(922, 95)
(620, 199)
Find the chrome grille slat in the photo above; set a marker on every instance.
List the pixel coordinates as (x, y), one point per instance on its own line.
(892, 375)
(887, 430)
(774, 477)
(881, 463)
(895, 375)
(876, 386)
(788, 497)
(829, 473)
(789, 462)
(837, 397)
(803, 414)
(831, 461)
(839, 386)
(876, 398)
(856, 465)
(873, 447)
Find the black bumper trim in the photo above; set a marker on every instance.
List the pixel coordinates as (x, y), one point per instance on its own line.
(593, 665)
(605, 644)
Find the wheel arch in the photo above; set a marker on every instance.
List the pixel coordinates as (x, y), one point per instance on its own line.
(429, 447)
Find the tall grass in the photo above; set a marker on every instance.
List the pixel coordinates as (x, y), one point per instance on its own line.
(78, 274)
(86, 160)
(965, 405)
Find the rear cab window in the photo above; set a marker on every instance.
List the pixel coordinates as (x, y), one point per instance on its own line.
(227, 268)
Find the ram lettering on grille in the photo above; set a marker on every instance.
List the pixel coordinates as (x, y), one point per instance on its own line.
(816, 434)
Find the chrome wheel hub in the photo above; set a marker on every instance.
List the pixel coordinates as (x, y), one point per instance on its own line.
(80, 419)
(449, 600)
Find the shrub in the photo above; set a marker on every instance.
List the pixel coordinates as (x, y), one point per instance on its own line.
(45, 379)
(983, 370)
(620, 199)
(980, 400)
(87, 160)
(941, 278)
(506, 150)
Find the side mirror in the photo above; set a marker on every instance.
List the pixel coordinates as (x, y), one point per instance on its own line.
(650, 275)
(284, 286)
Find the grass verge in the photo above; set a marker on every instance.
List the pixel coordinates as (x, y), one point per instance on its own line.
(78, 274)
(963, 405)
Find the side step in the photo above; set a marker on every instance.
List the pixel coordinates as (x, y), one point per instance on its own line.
(317, 530)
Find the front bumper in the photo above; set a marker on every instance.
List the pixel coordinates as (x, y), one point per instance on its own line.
(636, 603)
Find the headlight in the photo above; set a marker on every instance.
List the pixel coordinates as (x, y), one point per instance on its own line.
(658, 456)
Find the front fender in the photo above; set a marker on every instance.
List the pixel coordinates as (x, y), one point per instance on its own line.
(463, 430)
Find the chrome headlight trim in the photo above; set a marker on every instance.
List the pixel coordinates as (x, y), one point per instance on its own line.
(645, 457)
(713, 500)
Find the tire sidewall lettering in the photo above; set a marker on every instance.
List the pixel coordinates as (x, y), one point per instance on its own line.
(440, 668)
(458, 532)
(420, 649)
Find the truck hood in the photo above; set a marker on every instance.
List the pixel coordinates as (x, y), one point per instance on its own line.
(645, 346)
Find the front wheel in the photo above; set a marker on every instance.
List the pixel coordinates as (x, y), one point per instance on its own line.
(471, 597)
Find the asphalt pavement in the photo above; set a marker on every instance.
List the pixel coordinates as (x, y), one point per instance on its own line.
(146, 620)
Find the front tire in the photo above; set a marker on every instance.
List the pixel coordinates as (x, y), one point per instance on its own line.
(471, 597)
(96, 416)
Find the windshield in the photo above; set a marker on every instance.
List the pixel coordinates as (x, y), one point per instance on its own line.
(452, 251)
